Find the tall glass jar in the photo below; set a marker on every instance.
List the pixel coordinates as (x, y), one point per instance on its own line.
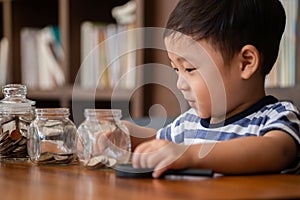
(52, 137)
(16, 113)
(103, 140)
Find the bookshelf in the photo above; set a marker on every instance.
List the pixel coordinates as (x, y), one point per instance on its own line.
(68, 15)
(1, 20)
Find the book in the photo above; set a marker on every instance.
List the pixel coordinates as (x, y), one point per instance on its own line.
(283, 73)
(107, 54)
(41, 58)
(29, 61)
(50, 55)
(87, 44)
(4, 48)
(108, 51)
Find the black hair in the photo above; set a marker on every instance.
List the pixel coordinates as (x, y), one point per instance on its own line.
(231, 24)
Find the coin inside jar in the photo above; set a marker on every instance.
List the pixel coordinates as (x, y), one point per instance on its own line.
(16, 114)
(101, 161)
(3, 136)
(13, 145)
(97, 162)
(15, 135)
(46, 156)
(111, 162)
(55, 158)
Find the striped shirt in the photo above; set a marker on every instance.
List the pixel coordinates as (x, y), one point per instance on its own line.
(266, 115)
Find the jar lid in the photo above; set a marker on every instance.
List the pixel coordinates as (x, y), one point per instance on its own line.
(115, 113)
(15, 108)
(52, 112)
(15, 101)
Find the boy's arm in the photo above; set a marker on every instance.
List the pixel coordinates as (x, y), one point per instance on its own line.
(270, 153)
(139, 134)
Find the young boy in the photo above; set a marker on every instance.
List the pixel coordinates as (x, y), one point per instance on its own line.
(222, 51)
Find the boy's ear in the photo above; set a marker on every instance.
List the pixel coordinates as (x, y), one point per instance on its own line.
(250, 60)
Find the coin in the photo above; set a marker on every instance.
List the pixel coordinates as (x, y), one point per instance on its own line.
(55, 158)
(46, 156)
(97, 162)
(5, 145)
(61, 158)
(15, 134)
(23, 141)
(101, 161)
(19, 149)
(12, 140)
(3, 136)
(111, 162)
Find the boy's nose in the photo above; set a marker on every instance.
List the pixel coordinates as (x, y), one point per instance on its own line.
(182, 83)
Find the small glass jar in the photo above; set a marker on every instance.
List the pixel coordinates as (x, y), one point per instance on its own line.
(52, 137)
(17, 112)
(103, 140)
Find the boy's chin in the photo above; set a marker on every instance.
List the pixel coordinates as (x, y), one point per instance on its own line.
(203, 115)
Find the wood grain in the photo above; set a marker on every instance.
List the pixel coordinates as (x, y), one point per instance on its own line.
(26, 181)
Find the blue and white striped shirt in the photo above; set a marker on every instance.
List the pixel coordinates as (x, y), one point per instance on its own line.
(266, 115)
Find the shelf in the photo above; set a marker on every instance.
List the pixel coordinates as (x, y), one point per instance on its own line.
(88, 10)
(68, 16)
(79, 94)
(29, 13)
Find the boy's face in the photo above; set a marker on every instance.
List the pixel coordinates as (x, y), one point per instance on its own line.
(203, 78)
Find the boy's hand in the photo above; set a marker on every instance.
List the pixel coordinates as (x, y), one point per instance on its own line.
(160, 155)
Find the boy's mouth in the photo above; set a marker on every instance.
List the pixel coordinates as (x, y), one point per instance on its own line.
(192, 103)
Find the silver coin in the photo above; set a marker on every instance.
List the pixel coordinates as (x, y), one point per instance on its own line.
(60, 158)
(19, 149)
(4, 136)
(9, 149)
(111, 162)
(23, 141)
(5, 145)
(46, 156)
(97, 162)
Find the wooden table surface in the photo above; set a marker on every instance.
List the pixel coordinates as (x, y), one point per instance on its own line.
(24, 181)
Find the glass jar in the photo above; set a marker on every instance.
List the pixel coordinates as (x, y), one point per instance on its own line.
(52, 137)
(17, 112)
(103, 140)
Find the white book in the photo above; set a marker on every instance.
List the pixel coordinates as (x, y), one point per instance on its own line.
(127, 51)
(4, 48)
(131, 60)
(87, 70)
(113, 63)
(29, 58)
(284, 70)
(51, 74)
(102, 75)
(122, 54)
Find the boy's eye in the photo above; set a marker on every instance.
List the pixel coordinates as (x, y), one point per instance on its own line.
(190, 69)
(175, 69)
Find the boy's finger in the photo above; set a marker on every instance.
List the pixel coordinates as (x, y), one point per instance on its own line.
(158, 171)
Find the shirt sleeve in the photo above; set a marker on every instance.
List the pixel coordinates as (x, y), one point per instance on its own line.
(287, 119)
(174, 131)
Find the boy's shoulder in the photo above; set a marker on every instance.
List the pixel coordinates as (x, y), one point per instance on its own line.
(279, 107)
(270, 104)
(268, 107)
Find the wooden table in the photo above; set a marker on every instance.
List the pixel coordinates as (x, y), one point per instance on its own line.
(24, 181)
